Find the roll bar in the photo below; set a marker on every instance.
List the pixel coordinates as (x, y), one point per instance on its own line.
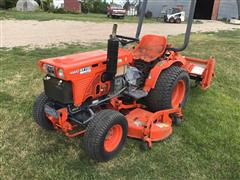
(141, 17)
(188, 29)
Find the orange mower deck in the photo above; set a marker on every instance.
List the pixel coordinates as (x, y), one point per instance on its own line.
(142, 124)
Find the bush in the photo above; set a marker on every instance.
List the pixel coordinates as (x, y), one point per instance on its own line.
(99, 7)
(58, 10)
(85, 6)
(47, 5)
(94, 6)
(61, 11)
(9, 4)
(2, 4)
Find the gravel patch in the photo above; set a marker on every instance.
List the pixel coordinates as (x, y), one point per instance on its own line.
(47, 33)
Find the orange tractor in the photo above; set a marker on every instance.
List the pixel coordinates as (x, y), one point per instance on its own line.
(137, 88)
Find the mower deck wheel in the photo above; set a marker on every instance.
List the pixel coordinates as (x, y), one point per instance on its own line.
(144, 146)
(177, 121)
(105, 135)
(39, 114)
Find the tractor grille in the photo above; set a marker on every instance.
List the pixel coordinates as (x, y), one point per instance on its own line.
(58, 90)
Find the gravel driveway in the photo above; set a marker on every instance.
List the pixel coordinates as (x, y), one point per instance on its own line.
(44, 33)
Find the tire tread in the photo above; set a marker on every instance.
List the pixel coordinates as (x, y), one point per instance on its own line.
(38, 112)
(95, 131)
(159, 98)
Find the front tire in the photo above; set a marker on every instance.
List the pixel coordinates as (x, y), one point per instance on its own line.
(171, 90)
(172, 20)
(38, 112)
(105, 135)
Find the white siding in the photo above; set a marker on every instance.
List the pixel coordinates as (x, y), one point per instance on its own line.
(228, 9)
(156, 5)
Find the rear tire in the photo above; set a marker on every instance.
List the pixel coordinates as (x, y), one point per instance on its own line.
(178, 20)
(105, 135)
(39, 114)
(164, 94)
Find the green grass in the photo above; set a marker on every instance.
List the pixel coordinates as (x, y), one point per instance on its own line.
(45, 16)
(206, 146)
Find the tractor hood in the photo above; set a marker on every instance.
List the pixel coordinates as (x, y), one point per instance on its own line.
(73, 64)
(76, 60)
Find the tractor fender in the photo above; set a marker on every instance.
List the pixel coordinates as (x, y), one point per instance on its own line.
(156, 70)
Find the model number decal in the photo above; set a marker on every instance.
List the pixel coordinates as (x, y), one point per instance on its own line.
(82, 70)
(85, 70)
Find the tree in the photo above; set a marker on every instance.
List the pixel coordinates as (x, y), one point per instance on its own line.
(127, 5)
(8, 3)
(2, 4)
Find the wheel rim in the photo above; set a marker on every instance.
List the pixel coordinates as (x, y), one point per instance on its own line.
(178, 94)
(113, 138)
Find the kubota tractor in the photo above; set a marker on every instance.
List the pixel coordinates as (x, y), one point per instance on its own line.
(137, 88)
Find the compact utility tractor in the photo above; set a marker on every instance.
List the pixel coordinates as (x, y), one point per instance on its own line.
(137, 88)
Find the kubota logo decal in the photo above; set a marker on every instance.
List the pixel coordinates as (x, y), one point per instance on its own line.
(74, 72)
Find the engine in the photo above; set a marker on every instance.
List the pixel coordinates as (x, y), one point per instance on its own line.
(133, 77)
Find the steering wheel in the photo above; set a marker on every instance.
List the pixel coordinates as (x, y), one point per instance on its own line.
(124, 40)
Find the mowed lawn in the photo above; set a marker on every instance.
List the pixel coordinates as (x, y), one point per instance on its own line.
(205, 146)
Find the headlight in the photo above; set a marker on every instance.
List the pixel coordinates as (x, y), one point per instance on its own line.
(60, 73)
(49, 69)
(45, 68)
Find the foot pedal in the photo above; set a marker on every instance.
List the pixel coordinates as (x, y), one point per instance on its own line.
(137, 94)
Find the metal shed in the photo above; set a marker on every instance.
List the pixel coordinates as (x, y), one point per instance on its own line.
(205, 9)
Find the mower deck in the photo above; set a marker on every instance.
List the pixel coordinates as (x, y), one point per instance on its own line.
(142, 124)
(149, 126)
